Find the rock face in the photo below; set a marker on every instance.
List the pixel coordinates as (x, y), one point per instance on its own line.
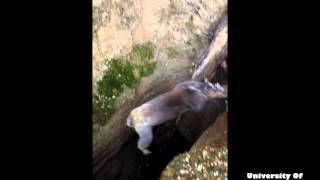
(178, 29)
(179, 25)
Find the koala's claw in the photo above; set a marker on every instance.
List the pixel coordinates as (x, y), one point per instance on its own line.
(218, 87)
(146, 151)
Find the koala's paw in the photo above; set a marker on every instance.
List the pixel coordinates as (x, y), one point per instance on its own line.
(146, 151)
(129, 124)
(218, 87)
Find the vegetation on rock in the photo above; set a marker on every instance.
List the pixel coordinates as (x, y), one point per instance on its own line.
(199, 163)
(121, 73)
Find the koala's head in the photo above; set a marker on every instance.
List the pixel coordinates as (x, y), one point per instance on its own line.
(193, 94)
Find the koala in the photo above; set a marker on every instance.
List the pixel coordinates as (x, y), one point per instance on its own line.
(185, 96)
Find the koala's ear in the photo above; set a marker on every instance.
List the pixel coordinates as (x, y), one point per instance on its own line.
(190, 89)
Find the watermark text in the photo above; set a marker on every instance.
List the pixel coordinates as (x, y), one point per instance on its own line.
(275, 176)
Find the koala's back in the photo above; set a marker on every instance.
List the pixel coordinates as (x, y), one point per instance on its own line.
(158, 110)
(196, 84)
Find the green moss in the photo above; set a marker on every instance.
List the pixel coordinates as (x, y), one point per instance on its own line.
(189, 24)
(172, 10)
(121, 71)
(128, 20)
(198, 39)
(172, 53)
(142, 53)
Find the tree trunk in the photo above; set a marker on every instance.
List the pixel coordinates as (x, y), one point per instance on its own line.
(217, 52)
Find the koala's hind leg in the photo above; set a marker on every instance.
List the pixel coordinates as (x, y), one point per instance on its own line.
(145, 138)
(129, 121)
